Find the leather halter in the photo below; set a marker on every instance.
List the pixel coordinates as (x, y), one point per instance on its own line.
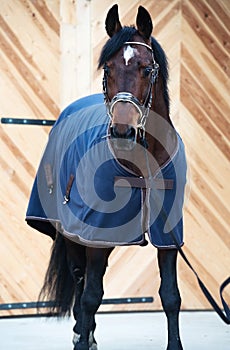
(143, 109)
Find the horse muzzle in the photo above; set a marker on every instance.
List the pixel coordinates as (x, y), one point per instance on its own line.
(125, 112)
(126, 140)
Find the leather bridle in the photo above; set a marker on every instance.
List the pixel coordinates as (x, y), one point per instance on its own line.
(143, 109)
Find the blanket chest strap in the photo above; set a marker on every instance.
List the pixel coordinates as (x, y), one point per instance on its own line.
(141, 182)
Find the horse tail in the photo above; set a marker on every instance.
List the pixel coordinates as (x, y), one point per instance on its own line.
(58, 287)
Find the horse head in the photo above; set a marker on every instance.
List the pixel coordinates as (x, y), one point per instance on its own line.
(130, 71)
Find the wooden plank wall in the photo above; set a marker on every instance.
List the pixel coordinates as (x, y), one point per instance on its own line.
(29, 69)
(48, 58)
(204, 123)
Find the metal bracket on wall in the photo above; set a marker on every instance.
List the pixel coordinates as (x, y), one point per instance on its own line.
(26, 121)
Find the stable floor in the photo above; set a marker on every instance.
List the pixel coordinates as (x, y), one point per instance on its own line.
(121, 331)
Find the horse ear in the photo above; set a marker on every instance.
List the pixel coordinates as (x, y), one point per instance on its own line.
(112, 22)
(144, 23)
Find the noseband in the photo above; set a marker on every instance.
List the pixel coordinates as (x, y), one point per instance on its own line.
(143, 109)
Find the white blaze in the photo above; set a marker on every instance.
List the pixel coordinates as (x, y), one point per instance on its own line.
(129, 52)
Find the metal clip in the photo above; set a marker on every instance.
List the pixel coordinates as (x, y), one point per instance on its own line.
(66, 200)
(68, 189)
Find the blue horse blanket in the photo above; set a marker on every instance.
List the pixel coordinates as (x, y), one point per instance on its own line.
(76, 193)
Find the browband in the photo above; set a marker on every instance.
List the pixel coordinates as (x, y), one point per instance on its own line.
(138, 43)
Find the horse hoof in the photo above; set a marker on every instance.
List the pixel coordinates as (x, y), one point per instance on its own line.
(81, 347)
(177, 346)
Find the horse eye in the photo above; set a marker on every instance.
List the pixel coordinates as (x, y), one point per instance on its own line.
(147, 71)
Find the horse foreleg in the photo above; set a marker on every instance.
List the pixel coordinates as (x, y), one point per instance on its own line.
(170, 295)
(77, 312)
(79, 280)
(76, 257)
(92, 295)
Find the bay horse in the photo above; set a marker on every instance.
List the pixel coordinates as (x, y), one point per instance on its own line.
(144, 165)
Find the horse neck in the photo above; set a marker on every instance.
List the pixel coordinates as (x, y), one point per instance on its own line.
(159, 105)
(161, 135)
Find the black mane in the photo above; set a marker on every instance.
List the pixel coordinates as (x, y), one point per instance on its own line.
(115, 43)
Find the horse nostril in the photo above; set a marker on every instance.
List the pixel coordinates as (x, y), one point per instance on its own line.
(123, 138)
(114, 132)
(129, 133)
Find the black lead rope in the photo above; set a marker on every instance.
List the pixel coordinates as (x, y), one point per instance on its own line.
(224, 315)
